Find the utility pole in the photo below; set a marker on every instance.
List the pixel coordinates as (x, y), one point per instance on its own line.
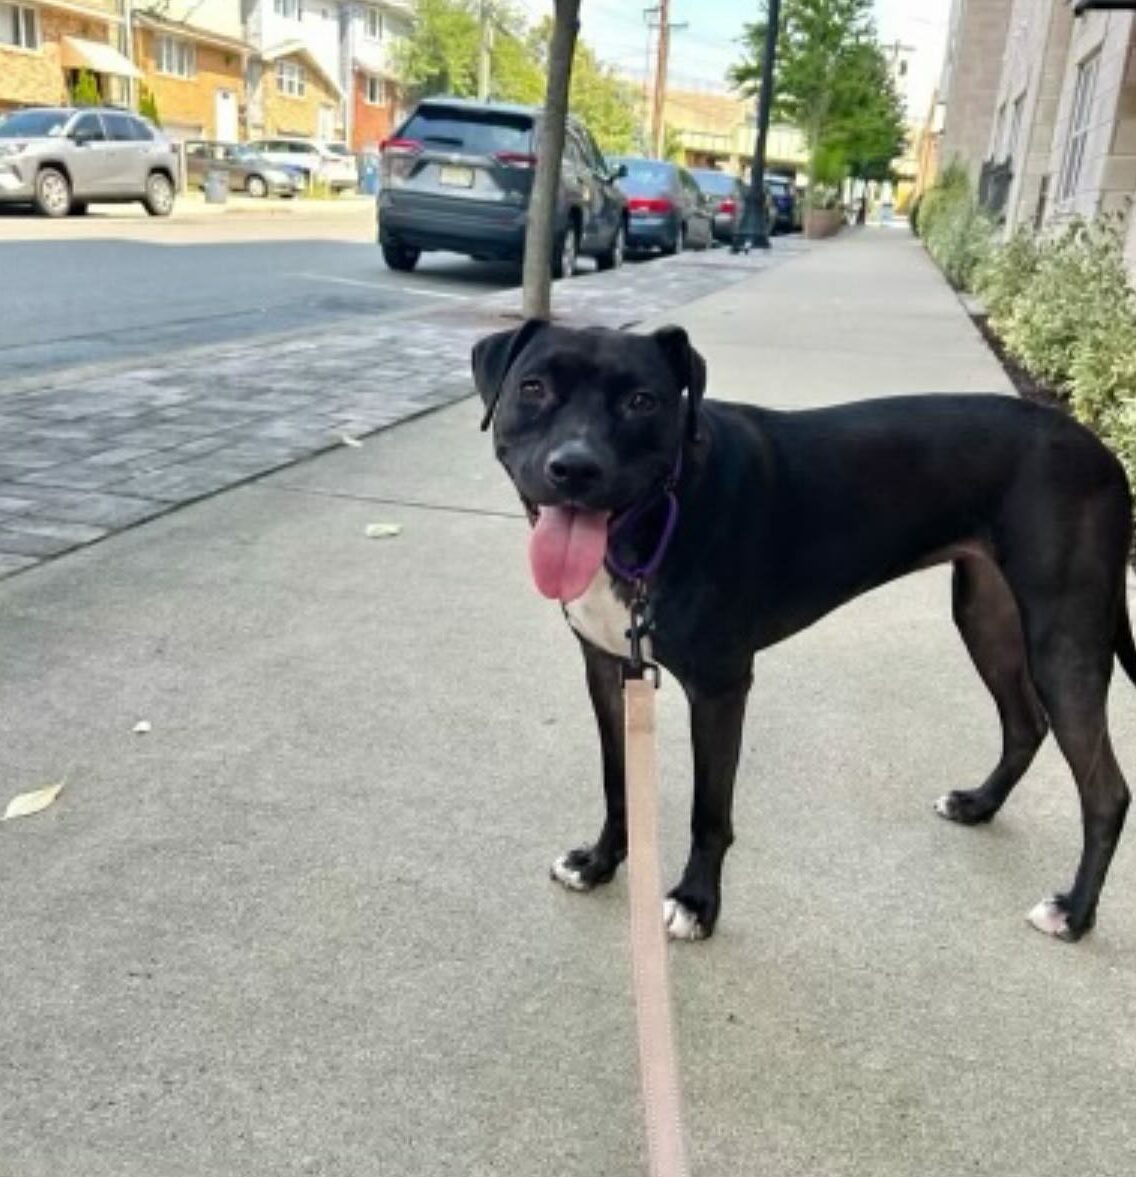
(484, 45)
(662, 55)
(650, 18)
(755, 224)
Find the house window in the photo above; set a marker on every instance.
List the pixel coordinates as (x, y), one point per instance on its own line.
(373, 91)
(373, 24)
(19, 26)
(1079, 118)
(175, 57)
(290, 78)
(288, 9)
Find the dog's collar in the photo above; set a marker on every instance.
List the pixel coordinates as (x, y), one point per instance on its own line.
(639, 574)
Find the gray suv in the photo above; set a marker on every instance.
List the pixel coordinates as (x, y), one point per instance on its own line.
(458, 175)
(61, 159)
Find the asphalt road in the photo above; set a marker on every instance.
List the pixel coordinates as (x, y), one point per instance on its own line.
(119, 285)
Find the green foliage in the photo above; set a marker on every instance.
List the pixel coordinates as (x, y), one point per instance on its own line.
(955, 230)
(85, 91)
(148, 106)
(1005, 274)
(832, 82)
(441, 55)
(1074, 297)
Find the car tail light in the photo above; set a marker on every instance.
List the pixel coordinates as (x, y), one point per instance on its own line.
(515, 159)
(727, 206)
(649, 204)
(397, 160)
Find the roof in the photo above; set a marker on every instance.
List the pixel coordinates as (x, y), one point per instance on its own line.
(296, 48)
(181, 28)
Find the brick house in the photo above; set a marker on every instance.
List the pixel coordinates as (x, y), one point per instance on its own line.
(370, 31)
(45, 43)
(195, 71)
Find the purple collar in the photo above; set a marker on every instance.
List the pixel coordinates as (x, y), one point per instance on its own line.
(640, 573)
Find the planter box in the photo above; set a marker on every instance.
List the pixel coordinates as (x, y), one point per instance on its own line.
(823, 222)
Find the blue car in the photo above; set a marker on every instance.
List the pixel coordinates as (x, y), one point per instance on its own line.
(786, 213)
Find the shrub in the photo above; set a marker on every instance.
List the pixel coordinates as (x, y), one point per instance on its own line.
(85, 91)
(1004, 275)
(1076, 295)
(955, 230)
(148, 106)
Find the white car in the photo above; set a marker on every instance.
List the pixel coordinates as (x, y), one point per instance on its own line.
(327, 163)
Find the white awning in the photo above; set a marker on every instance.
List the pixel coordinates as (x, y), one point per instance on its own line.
(97, 56)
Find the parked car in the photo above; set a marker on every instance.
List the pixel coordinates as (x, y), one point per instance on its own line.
(247, 171)
(727, 194)
(326, 163)
(786, 215)
(666, 210)
(61, 159)
(457, 174)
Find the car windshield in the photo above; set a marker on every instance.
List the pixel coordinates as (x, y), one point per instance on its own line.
(717, 183)
(645, 175)
(34, 124)
(479, 132)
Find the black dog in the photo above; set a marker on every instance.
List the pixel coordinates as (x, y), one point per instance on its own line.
(746, 525)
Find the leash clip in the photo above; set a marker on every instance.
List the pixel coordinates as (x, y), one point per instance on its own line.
(635, 665)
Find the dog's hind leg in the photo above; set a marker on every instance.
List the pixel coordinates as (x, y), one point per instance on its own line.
(1072, 670)
(716, 718)
(587, 866)
(988, 619)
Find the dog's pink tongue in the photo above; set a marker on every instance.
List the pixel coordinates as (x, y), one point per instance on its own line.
(566, 550)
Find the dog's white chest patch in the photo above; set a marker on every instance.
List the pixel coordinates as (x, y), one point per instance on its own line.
(601, 617)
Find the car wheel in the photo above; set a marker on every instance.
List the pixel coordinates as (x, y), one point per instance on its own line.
(612, 257)
(79, 208)
(256, 186)
(159, 198)
(401, 258)
(567, 253)
(52, 193)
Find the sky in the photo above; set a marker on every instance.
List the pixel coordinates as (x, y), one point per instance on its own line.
(702, 52)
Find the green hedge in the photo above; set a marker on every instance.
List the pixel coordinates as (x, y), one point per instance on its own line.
(956, 232)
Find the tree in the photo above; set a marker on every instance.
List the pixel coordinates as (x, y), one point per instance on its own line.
(148, 106)
(85, 91)
(537, 277)
(832, 82)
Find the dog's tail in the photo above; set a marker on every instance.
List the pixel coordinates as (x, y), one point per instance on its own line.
(1125, 646)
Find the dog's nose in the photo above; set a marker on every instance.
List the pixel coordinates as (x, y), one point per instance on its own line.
(573, 467)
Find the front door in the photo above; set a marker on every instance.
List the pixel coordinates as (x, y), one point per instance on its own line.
(91, 161)
(225, 116)
(325, 127)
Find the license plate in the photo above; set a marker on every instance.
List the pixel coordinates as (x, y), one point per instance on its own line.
(456, 177)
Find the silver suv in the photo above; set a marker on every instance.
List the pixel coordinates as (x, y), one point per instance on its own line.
(61, 159)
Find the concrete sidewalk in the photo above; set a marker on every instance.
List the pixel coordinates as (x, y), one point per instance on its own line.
(304, 926)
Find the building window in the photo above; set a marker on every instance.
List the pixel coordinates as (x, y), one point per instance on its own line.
(290, 78)
(1079, 119)
(288, 9)
(19, 26)
(374, 92)
(175, 57)
(373, 24)
(1015, 126)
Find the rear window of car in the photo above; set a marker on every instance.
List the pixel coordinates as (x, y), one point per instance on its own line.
(646, 175)
(778, 185)
(34, 123)
(475, 131)
(716, 182)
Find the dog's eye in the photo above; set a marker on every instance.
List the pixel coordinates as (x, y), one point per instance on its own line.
(641, 402)
(533, 392)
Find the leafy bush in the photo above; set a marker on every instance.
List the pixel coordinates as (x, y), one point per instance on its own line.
(955, 230)
(1102, 375)
(148, 106)
(85, 91)
(1004, 275)
(1077, 295)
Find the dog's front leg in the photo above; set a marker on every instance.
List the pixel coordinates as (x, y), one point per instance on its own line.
(584, 868)
(716, 717)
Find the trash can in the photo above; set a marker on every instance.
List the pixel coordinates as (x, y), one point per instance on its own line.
(368, 174)
(216, 186)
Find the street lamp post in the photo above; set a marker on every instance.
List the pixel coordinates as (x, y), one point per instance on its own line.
(755, 224)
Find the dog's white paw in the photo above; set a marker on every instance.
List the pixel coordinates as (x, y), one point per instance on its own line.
(944, 806)
(681, 923)
(569, 876)
(1051, 918)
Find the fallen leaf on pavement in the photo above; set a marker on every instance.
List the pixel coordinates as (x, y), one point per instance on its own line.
(383, 530)
(25, 804)
(353, 442)
(141, 727)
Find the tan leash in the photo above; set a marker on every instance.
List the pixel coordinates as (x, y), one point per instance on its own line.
(658, 1059)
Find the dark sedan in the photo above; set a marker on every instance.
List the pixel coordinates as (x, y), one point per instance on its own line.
(786, 210)
(666, 209)
(727, 198)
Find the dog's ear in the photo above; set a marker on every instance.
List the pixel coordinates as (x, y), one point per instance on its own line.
(690, 369)
(492, 358)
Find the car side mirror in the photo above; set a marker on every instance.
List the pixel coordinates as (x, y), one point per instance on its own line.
(619, 171)
(82, 136)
